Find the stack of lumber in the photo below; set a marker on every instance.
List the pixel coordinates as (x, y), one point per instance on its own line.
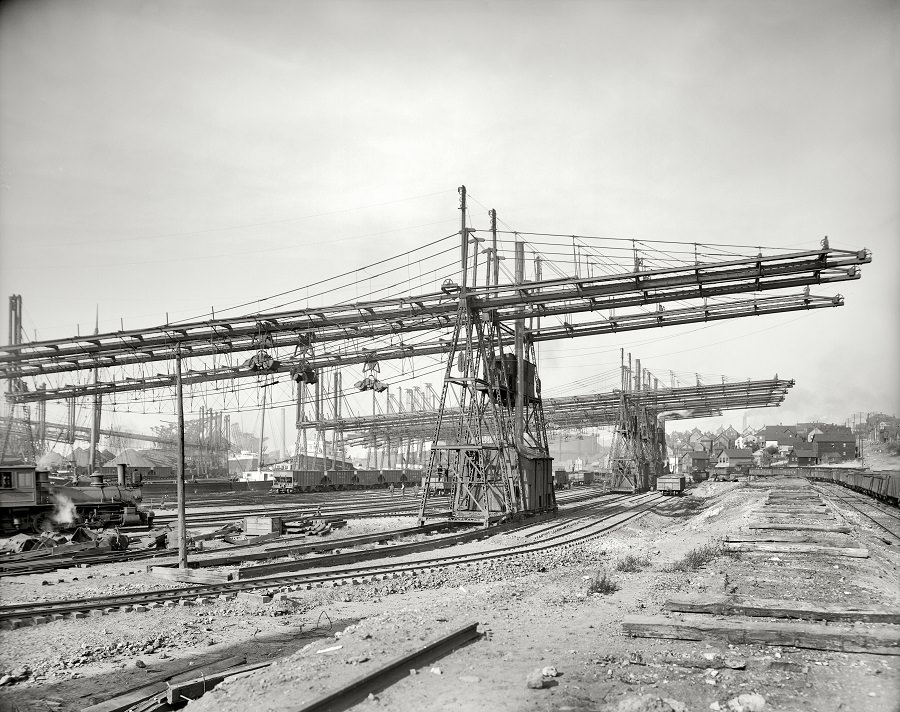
(175, 688)
(880, 635)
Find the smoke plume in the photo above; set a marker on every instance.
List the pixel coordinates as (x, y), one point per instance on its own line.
(64, 510)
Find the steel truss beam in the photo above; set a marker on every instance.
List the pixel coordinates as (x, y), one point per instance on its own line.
(61, 432)
(325, 360)
(300, 329)
(587, 410)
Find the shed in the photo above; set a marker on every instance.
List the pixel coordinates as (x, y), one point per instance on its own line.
(537, 472)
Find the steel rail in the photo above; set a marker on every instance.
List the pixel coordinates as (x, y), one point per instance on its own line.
(359, 688)
(853, 504)
(52, 560)
(317, 579)
(253, 572)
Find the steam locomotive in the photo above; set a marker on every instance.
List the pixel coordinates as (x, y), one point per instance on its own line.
(30, 503)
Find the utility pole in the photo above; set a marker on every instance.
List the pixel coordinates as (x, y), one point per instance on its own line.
(494, 254)
(95, 416)
(464, 244)
(179, 464)
(336, 436)
(262, 429)
(520, 353)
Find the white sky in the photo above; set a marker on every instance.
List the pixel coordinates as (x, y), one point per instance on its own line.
(166, 157)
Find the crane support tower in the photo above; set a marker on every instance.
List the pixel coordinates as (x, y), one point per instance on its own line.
(493, 445)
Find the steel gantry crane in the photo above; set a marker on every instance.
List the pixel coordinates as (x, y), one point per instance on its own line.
(583, 411)
(491, 326)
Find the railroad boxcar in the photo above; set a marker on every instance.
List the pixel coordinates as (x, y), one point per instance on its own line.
(670, 484)
(583, 477)
(340, 479)
(392, 477)
(881, 485)
(28, 502)
(368, 478)
(892, 488)
(560, 479)
(283, 482)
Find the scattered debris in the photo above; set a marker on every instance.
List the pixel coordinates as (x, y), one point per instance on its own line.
(535, 680)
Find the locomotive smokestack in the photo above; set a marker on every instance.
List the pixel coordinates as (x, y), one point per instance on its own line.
(121, 473)
(43, 478)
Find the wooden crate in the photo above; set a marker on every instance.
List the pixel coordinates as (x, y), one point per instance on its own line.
(255, 526)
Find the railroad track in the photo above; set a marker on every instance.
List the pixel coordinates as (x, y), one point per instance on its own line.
(348, 507)
(355, 512)
(34, 563)
(614, 515)
(884, 518)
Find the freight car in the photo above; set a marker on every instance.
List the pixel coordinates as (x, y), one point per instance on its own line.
(560, 479)
(584, 477)
(670, 484)
(293, 481)
(29, 502)
(881, 485)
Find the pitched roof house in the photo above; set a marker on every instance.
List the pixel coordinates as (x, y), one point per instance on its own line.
(835, 445)
(733, 457)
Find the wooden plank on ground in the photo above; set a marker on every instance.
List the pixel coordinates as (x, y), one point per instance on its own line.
(793, 510)
(835, 528)
(158, 685)
(251, 539)
(795, 500)
(798, 515)
(787, 548)
(188, 575)
(882, 640)
(795, 503)
(770, 608)
(792, 538)
(188, 690)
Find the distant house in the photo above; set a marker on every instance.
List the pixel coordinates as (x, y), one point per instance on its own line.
(835, 446)
(888, 431)
(807, 430)
(733, 458)
(722, 442)
(788, 445)
(777, 435)
(695, 460)
(806, 455)
(81, 458)
(732, 435)
(149, 464)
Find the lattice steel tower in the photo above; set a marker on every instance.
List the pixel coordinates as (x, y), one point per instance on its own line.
(490, 439)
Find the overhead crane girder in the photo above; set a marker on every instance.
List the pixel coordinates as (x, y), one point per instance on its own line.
(591, 410)
(325, 360)
(432, 311)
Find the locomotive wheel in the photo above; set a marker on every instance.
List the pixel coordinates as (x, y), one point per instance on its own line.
(42, 523)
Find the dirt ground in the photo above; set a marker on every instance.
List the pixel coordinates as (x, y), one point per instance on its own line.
(532, 615)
